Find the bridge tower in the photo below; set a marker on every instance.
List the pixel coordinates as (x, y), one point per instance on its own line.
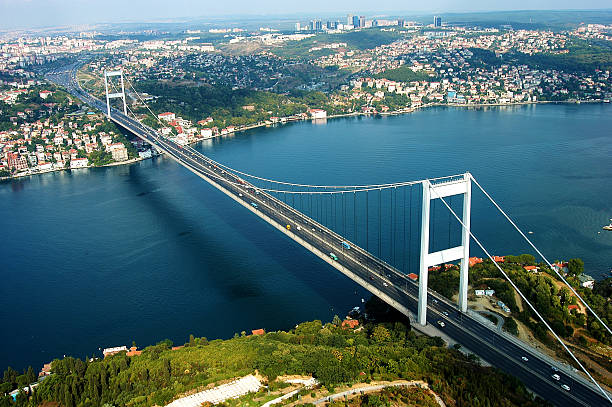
(436, 191)
(110, 96)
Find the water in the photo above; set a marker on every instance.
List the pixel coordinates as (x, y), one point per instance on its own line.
(103, 257)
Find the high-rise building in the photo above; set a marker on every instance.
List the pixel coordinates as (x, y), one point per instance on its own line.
(400, 22)
(332, 25)
(318, 25)
(355, 21)
(437, 21)
(297, 26)
(362, 21)
(349, 19)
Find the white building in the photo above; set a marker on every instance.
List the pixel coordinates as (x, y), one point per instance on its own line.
(79, 163)
(317, 113)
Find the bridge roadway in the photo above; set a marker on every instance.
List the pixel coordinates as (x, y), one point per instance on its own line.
(370, 272)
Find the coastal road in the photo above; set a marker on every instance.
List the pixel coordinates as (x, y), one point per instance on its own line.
(365, 269)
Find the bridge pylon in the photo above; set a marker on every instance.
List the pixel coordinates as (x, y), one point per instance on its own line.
(435, 191)
(110, 96)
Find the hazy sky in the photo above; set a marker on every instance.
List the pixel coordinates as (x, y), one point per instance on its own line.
(36, 13)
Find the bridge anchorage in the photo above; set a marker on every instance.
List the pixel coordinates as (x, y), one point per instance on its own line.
(311, 215)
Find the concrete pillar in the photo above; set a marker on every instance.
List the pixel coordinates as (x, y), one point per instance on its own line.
(423, 266)
(108, 111)
(465, 242)
(123, 92)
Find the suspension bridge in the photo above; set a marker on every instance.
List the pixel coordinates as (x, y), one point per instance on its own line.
(367, 232)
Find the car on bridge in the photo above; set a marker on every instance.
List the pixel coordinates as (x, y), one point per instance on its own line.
(565, 387)
(254, 205)
(442, 324)
(333, 257)
(346, 245)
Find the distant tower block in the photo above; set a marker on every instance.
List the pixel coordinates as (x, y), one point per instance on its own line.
(431, 191)
(110, 96)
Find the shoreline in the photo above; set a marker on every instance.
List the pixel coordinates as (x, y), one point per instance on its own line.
(114, 164)
(246, 128)
(405, 110)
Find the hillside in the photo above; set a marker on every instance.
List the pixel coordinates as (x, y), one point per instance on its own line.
(337, 356)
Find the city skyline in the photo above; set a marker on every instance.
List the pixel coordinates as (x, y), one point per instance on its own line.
(38, 13)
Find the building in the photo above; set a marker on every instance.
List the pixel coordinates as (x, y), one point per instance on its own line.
(317, 113)
(167, 116)
(258, 332)
(350, 323)
(474, 261)
(119, 153)
(586, 281)
(298, 27)
(79, 163)
(355, 21)
(437, 21)
(145, 154)
(16, 161)
(362, 21)
(133, 351)
(112, 351)
(46, 370)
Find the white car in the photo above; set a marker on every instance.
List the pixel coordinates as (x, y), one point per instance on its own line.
(556, 377)
(385, 284)
(524, 358)
(441, 323)
(565, 387)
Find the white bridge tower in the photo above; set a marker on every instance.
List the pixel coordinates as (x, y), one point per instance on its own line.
(114, 95)
(436, 191)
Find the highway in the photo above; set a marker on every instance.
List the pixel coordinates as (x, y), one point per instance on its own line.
(372, 273)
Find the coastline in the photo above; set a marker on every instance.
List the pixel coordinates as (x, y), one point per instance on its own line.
(23, 175)
(267, 123)
(405, 110)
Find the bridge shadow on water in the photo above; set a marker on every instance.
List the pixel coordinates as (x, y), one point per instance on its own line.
(217, 258)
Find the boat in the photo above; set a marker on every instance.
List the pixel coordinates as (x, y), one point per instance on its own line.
(608, 227)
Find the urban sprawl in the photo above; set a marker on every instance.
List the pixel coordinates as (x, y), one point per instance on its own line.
(43, 128)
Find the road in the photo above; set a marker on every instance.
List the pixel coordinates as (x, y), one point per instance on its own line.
(372, 273)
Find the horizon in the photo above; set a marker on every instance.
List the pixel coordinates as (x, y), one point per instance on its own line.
(35, 14)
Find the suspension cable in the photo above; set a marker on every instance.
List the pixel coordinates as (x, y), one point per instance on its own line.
(358, 187)
(541, 255)
(429, 185)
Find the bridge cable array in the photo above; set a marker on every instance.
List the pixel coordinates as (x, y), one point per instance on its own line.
(520, 292)
(345, 189)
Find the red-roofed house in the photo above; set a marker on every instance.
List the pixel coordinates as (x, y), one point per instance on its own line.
(413, 277)
(350, 323)
(531, 268)
(167, 116)
(475, 260)
(133, 351)
(499, 259)
(258, 332)
(571, 307)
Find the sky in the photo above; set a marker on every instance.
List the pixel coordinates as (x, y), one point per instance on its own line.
(47, 13)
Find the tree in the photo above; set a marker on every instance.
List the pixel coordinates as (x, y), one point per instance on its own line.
(576, 266)
(381, 334)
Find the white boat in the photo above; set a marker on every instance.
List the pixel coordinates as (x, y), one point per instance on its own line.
(608, 227)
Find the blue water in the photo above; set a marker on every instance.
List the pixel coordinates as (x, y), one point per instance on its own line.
(103, 257)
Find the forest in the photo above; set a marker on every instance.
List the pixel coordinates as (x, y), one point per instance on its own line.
(329, 352)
